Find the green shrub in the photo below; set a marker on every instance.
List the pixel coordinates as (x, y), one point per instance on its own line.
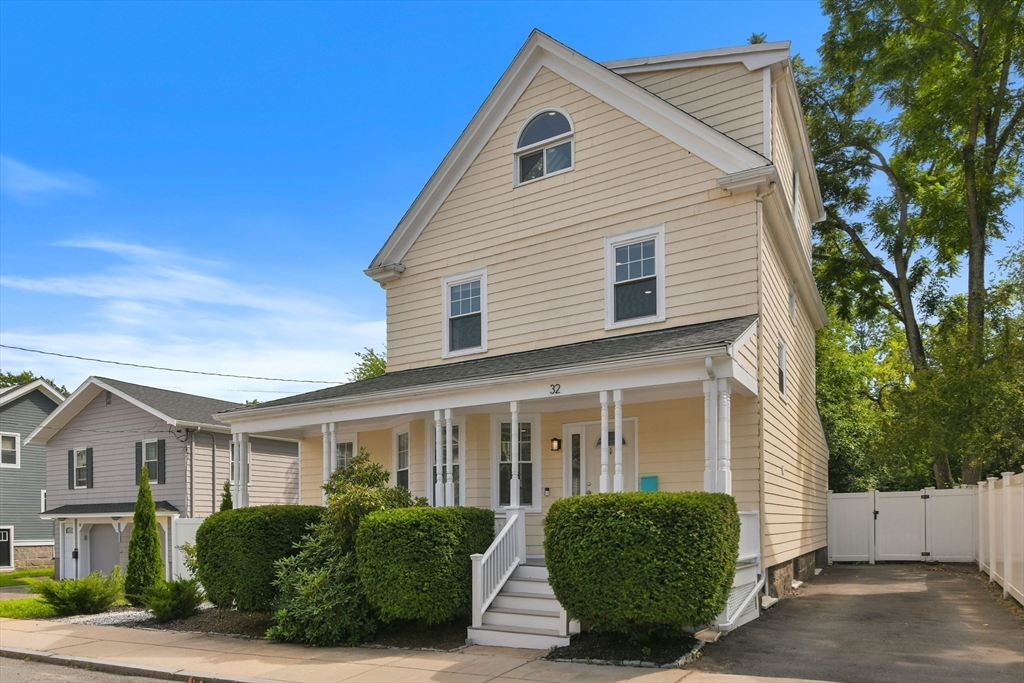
(145, 563)
(642, 562)
(173, 599)
(414, 563)
(225, 498)
(91, 595)
(236, 551)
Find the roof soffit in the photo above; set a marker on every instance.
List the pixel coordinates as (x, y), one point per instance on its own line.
(542, 51)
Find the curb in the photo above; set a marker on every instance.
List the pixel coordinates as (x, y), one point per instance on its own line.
(108, 666)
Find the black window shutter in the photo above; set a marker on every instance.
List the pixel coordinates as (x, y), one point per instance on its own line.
(88, 468)
(161, 460)
(138, 463)
(71, 469)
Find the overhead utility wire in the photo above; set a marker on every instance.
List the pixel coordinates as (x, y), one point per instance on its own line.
(154, 367)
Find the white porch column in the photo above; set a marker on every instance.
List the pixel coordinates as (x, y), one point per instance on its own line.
(236, 460)
(604, 488)
(333, 429)
(724, 437)
(617, 397)
(245, 471)
(513, 491)
(449, 473)
(438, 454)
(327, 460)
(710, 429)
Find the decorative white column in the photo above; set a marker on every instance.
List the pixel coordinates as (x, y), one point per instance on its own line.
(604, 488)
(1007, 536)
(513, 491)
(724, 438)
(618, 481)
(327, 460)
(438, 455)
(333, 429)
(710, 429)
(449, 471)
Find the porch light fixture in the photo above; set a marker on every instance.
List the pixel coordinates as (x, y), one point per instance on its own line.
(556, 444)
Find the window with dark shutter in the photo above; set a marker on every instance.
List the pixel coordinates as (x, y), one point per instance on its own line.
(88, 468)
(138, 463)
(161, 462)
(71, 469)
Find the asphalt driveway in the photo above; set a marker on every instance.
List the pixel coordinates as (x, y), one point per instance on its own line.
(875, 624)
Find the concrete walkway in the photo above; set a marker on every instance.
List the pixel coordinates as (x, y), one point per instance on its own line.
(898, 623)
(211, 659)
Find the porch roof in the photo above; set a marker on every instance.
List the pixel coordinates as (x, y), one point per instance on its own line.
(103, 509)
(719, 333)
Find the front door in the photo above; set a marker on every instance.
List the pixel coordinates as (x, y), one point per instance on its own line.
(583, 458)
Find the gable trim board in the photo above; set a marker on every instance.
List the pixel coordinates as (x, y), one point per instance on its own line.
(751, 56)
(542, 51)
(42, 385)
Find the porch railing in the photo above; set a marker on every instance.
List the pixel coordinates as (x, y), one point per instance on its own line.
(492, 569)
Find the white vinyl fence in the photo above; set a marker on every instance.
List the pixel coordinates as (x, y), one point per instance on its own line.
(182, 531)
(983, 523)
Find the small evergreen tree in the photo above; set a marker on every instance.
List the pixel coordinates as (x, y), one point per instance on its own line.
(145, 564)
(225, 499)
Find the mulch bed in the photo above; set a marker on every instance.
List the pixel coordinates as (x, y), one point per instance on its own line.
(224, 621)
(411, 635)
(615, 648)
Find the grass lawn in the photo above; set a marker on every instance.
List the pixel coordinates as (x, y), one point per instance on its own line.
(26, 608)
(23, 577)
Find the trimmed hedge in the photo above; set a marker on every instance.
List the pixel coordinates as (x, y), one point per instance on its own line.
(637, 563)
(414, 562)
(236, 551)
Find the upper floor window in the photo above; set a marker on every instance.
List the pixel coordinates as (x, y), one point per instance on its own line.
(544, 146)
(465, 314)
(782, 367)
(151, 460)
(10, 449)
(635, 278)
(81, 468)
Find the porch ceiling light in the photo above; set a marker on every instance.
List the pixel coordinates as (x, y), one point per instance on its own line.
(556, 444)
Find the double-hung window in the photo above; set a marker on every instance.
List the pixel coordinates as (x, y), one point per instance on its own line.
(81, 468)
(10, 449)
(344, 450)
(151, 460)
(635, 278)
(544, 146)
(465, 314)
(402, 460)
(782, 367)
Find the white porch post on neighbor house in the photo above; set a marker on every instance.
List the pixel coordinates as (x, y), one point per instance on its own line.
(236, 462)
(332, 428)
(724, 438)
(438, 482)
(513, 491)
(710, 429)
(449, 471)
(246, 469)
(604, 443)
(327, 459)
(617, 397)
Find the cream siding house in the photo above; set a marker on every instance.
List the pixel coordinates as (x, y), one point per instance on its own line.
(605, 286)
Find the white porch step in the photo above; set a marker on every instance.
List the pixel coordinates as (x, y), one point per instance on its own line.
(525, 618)
(517, 636)
(525, 601)
(530, 571)
(538, 586)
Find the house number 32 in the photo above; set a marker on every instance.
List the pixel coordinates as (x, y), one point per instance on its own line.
(556, 388)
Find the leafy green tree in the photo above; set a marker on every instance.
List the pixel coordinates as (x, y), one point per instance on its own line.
(225, 497)
(13, 379)
(371, 364)
(145, 563)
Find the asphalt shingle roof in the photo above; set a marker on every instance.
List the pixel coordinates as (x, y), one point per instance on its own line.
(174, 404)
(105, 509)
(622, 347)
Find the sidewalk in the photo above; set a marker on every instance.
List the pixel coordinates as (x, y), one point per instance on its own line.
(210, 658)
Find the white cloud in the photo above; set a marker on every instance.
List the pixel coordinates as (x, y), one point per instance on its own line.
(25, 183)
(159, 307)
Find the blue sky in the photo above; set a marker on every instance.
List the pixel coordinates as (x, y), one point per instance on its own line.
(200, 185)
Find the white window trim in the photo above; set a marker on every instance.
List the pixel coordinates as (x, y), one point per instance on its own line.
(783, 370)
(610, 243)
(446, 284)
(340, 438)
(154, 475)
(17, 450)
(10, 538)
(543, 144)
(430, 443)
(400, 429)
(42, 500)
(86, 451)
(533, 419)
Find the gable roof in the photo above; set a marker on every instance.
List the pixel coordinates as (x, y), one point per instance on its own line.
(673, 340)
(751, 56)
(8, 394)
(542, 51)
(173, 407)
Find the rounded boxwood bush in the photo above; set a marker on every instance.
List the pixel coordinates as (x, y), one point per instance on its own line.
(414, 562)
(637, 563)
(236, 550)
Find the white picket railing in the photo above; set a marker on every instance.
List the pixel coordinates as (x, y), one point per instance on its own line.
(1001, 541)
(492, 569)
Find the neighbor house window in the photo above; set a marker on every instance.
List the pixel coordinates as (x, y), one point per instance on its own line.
(10, 450)
(438, 462)
(635, 280)
(81, 468)
(151, 460)
(525, 465)
(544, 146)
(465, 314)
(782, 367)
(402, 460)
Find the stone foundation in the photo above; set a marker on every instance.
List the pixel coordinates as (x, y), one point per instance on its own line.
(779, 578)
(33, 556)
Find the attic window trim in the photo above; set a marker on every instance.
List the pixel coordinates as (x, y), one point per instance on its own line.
(542, 146)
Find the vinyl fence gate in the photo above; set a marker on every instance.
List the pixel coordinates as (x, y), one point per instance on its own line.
(930, 525)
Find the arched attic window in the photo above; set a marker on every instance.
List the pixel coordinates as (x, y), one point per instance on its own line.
(544, 146)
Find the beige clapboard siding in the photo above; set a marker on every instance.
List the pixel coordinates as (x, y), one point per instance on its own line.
(727, 97)
(208, 492)
(275, 472)
(782, 150)
(312, 449)
(548, 236)
(794, 502)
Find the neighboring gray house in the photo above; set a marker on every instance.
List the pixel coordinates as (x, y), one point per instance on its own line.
(25, 540)
(97, 443)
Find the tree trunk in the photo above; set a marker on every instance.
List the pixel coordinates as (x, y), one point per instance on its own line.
(976, 221)
(943, 474)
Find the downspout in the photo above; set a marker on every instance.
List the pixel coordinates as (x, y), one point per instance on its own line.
(759, 210)
(213, 470)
